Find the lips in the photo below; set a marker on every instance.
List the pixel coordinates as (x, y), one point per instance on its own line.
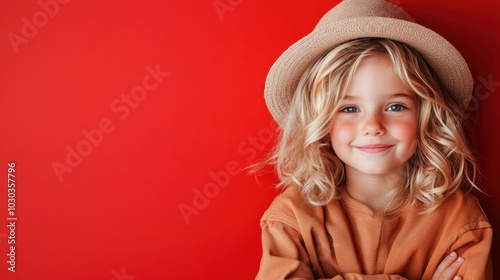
(374, 148)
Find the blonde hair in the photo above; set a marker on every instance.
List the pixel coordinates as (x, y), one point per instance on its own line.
(304, 157)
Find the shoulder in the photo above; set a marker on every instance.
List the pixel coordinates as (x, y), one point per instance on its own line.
(289, 207)
(464, 205)
(462, 226)
(462, 212)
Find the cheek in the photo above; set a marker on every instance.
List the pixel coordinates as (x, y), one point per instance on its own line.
(342, 133)
(407, 131)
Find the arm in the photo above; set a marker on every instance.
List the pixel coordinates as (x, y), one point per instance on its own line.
(447, 270)
(474, 246)
(285, 257)
(472, 243)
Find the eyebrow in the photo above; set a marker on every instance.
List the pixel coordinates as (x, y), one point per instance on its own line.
(394, 95)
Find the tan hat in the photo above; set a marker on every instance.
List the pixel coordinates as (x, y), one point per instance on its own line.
(353, 19)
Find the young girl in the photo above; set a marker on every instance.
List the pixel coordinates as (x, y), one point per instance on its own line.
(372, 158)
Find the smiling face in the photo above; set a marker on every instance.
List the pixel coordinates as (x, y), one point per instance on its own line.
(375, 130)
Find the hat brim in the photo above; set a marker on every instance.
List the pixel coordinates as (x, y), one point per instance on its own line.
(445, 60)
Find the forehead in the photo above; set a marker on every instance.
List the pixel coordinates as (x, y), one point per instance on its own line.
(376, 77)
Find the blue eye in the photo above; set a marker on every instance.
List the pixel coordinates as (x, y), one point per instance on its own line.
(349, 110)
(396, 107)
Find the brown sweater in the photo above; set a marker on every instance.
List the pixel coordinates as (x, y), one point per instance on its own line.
(345, 240)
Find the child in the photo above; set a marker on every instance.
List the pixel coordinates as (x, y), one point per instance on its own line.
(372, 158)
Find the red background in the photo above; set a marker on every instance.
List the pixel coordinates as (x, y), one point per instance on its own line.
(116, 215)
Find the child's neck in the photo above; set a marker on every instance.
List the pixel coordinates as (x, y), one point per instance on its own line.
(371, 190)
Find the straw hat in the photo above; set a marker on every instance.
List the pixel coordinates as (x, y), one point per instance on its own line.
(353, 19)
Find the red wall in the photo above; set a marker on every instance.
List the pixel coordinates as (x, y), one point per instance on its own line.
(122, 115)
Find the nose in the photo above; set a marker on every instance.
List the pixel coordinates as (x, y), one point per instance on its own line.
(373, 125)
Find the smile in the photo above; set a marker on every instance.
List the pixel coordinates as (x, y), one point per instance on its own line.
(372, 149)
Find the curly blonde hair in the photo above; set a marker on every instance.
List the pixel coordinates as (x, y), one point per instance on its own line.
(304, 157)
